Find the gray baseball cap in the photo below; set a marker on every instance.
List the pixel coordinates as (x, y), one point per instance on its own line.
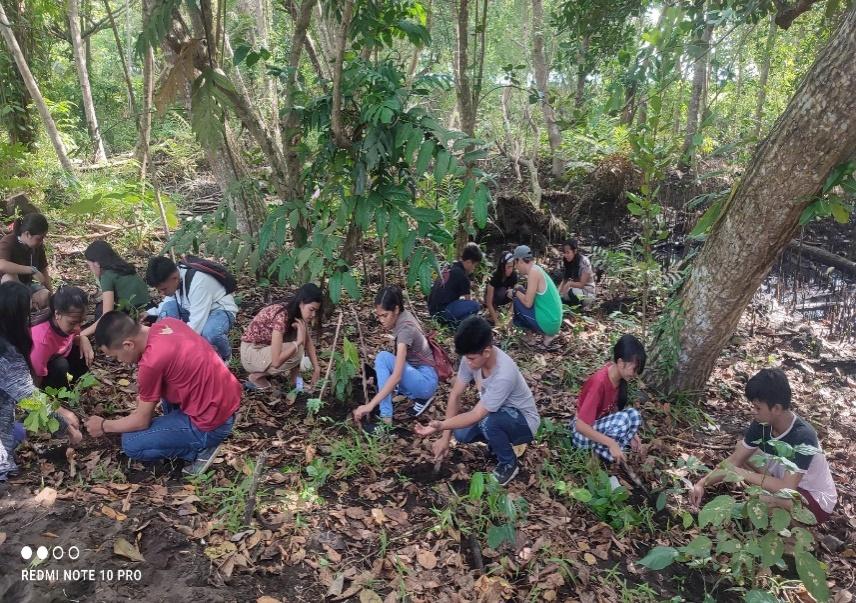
(522, 252)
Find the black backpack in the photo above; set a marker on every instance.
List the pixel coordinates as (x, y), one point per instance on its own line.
(196, 264)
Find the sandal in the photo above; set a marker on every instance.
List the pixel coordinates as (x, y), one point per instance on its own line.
(252, 387)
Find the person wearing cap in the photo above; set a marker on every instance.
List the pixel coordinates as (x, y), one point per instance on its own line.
(503, 280)
(449, 301)
(537, 308)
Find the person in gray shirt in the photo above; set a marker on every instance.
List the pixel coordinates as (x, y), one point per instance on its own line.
(505, 414)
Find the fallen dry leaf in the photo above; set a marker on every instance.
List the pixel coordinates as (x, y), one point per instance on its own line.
(336, 586)
(2, 537)
(426, 559)
(378, 516)
(113, 513)
(46, 497)
(266, 599)
(123, 548)
(220, 550)
(370, 596)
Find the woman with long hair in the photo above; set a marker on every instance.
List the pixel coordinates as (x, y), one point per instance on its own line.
(500, 286)
(59, 348)
(278, 337)
(17, 382)
(577, 286)
(23, 259)
(409, 370)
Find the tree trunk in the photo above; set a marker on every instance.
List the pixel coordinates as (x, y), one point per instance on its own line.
(142, 152)
(465, 101)
(816, 132)
(19, 120)
(702, 45)
(83, 76)
(539, 61)
(33, 89)
(129, 86)
(763, 74)
(582, 73)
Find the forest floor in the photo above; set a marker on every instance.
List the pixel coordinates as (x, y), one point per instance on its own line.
(338, 516)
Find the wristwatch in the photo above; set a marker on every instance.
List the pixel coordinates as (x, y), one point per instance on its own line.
(34, 269)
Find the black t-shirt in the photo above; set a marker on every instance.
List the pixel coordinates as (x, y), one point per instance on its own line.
(457, 283)
(16, 252)
(761, 436)
(571, 272)
(499, 280)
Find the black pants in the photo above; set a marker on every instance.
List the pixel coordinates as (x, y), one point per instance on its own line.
(500, 296)
(59, 367)
(570, 299)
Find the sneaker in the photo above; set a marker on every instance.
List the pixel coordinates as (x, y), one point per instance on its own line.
(378, 428)
(299, 383)
(420, 406)
(505, 473)
(203, 461)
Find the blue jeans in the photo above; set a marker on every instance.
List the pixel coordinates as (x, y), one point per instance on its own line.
(172, 436)
(215, 331)
(457, 311)
(502, 430)
(525, 317)
(417, 382)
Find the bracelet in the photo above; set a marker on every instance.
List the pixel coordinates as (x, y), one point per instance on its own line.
(102, 425)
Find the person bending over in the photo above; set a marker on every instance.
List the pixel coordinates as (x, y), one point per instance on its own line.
(196, 298)
(23, 259)
(500, 287)
(538, 308)
(505, 415)
(770, 395)
(449, 300)
(179, 371)
(59, 348)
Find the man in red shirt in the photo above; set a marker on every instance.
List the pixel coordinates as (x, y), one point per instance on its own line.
(178, 368)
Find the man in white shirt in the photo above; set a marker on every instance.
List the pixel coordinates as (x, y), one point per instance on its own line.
(195, 297)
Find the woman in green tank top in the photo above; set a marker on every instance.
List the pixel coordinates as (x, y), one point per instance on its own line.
(538, 308)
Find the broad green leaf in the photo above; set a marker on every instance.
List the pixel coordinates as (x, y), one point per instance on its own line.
(699, 547)
(480, 205)
(464, 196)
(803, 514)
(441, 165)
(581, 494)
(659, 557)
(335, 287)
(760, 596)
(716, 511)
(476, 486)
(707, 219)
(771, 548)
(757, 511)
(780, 519)
(813, 574)
(497, 535)
(424, 158)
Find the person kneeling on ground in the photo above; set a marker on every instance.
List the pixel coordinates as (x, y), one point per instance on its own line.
(410, 371)
(603, 421)
(770, 395)
(505, 415)
(538, 308)
(59, 348)
(198, 394)
(196, 298)
(449, 300)
(500, 287)
(17, 382)
(278, 337)
(23, 259)
(577, 287)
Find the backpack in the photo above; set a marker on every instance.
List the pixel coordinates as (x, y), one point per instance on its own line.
(196, 264)
(442, 363)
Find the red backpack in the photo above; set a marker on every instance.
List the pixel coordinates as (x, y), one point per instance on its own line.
(442, 363)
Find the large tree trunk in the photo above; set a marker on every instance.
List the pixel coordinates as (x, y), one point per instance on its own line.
(33, 89)
(764, 73)
(702, 46)
(582, 54)
(83, 77)
(816, 132)
(539, 61)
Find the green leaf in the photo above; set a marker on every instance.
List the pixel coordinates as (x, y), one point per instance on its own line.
(699, 547)
(716, 511)
(634, 209)
(780, 520)
(476, 486)
(812, 573)
(464, 196)
(841, 213)
(581, 494)
(335, 287)
(659, 557)
(441, 165)
(53, 424)
(497, 535)
(480, 205)
(708, 219)
(803, 514)
(424, 158)
(661, 501)
(771, 548)
(757, 511)
(760, 596)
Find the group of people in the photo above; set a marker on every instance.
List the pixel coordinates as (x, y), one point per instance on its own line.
(181, 348)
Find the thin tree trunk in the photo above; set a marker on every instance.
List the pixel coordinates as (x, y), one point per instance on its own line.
(465, 101)
(33, 89)
(132, 104)
(338, 66)
(145, 132)
(539, 61)
(763, 75)
(83, 76)
(702, 45)
(582, 72)
(816, 133)
(19, 120)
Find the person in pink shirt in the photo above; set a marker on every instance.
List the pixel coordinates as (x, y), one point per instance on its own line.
(58, 348)
(604, 422)
(180, 372)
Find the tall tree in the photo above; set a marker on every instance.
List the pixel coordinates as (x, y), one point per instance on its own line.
(700, 55)
(18, 117)
(816, 133)
(763, 74)
(83, 78)
(539, 61)
(33, 89)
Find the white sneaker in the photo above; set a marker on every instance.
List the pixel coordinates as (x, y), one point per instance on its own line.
(299, 383)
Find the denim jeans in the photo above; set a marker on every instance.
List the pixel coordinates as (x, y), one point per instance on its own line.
(215, 331)
(417, 383)
(172, 436)
(525, 317)
(457, 311)
(502, 430)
